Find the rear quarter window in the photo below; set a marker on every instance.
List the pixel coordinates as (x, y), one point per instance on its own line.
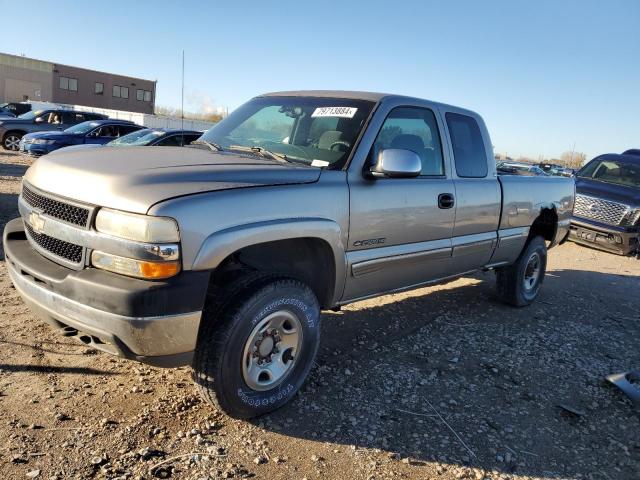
(468, 147)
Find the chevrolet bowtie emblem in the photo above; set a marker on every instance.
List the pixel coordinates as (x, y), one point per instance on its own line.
(37, 222)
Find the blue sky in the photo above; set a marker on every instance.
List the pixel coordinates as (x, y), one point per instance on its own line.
(544, 74)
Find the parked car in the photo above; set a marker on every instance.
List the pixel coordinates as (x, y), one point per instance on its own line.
(555, 169)
(13, 109)
(94, 132)
(607, 210)
(13, 129)
(148, 137)
(551, 168)
(515, 168)
(222, 255)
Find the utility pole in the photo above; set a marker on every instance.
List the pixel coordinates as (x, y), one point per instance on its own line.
(573, 150)
(182, 104)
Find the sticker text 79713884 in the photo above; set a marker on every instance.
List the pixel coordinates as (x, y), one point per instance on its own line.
(342, 112)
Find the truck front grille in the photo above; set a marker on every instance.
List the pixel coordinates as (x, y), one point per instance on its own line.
(55, 208)
(59, 248)
(604, 211)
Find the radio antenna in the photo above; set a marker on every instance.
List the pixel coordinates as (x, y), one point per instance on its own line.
(182, 106)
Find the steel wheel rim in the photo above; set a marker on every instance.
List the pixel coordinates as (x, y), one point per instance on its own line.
(271, 350)
(532, 272)
(12, 142)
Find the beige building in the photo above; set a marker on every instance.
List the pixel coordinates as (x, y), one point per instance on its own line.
(23, 78)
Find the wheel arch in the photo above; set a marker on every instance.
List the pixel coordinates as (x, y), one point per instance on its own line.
(13, 130)
(545, 224)
(310, 250)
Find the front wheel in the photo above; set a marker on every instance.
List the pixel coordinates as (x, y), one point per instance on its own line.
(519, 284)
(255, 356)
(11, 141)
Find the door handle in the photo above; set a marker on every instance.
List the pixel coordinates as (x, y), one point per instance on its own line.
(446, 200)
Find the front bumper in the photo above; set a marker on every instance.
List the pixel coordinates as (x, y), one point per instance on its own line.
(155, 322)
(618, 240)
(35, 149)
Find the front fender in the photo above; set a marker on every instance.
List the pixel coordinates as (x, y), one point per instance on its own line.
(219, 245)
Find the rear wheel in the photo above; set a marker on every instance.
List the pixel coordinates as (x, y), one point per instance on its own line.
(519, 284)
(255, 355)
(11, 141)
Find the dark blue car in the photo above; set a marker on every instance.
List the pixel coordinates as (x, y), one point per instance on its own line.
(149, 137)
(97, 132)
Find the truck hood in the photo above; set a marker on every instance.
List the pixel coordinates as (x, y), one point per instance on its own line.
(135, 178)
(608, 191)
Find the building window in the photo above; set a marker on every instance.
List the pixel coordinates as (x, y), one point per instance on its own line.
(99, 88)
(120, 92)
(67, 83)
(143, 95)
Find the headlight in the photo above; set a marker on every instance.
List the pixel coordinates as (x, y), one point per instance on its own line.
(42, 141)
(140, 228)
(133, 267)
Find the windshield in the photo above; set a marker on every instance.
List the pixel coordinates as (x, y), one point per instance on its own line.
(317, 131)
(618, 172)
(139, 137)
(83, 127)
(30, 115)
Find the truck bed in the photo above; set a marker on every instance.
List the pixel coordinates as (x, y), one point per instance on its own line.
(523, 198)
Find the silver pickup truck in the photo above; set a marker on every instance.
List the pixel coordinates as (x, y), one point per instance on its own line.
(221, 255)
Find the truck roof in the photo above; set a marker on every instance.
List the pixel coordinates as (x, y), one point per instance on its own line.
(354, 95)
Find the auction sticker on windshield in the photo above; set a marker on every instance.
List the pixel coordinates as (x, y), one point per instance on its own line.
(342, 112)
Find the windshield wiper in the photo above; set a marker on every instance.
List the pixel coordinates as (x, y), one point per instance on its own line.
(212, 146)
(263, 152)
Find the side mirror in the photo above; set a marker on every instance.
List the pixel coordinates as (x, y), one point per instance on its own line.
(39, 119)
(396, 163)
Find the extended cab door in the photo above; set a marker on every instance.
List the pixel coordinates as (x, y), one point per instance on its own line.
(477, 190)
(400, 228)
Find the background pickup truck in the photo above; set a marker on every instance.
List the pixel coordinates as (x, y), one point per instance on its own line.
(607, 209)
(222, 254)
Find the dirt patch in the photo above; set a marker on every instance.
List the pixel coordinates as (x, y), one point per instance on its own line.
(443, 382)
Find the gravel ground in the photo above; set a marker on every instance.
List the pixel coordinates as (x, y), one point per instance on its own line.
(442, 382)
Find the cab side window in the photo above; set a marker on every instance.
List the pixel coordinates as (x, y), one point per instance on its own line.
(415, 129)
(107, 131)
(55, 118)
(468, 148)
(71, 118)
(172, 141)
(126, 129)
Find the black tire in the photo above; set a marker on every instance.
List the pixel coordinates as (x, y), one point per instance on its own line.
(10, 141)
(224, 336)
(510, 280)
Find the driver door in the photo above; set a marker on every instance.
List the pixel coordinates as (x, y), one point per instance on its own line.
(400, 228)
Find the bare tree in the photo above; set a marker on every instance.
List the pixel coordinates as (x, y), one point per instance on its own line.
(573, 159)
